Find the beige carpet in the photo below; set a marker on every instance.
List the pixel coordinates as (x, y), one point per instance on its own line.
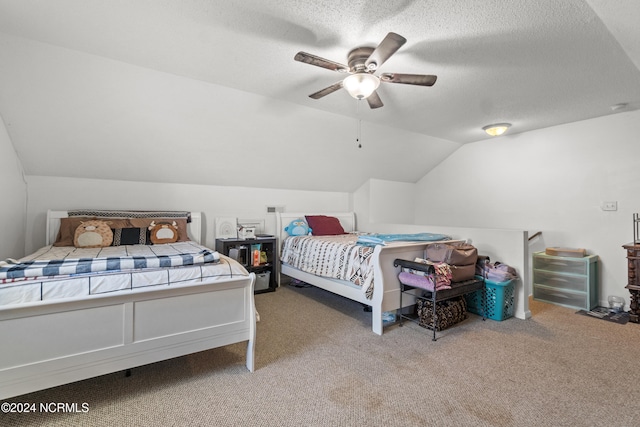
(319, 364)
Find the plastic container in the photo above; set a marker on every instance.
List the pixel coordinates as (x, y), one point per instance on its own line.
(616, 304)
(499, 303)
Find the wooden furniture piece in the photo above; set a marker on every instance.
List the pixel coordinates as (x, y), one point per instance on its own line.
(266, 274)
(457, 289)
(386, 291)
(633, 283)
(567, 281)
(49, 343)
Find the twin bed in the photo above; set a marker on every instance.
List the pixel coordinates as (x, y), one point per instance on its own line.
(363, 274)
(117, 307)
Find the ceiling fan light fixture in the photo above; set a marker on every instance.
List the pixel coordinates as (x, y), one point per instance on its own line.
(496, 129)
(363, 62)
(361, 85)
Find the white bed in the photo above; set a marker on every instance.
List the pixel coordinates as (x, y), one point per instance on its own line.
(386, 290)
(53, 342)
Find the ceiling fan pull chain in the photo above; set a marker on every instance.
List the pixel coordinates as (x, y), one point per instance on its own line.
(359, 123)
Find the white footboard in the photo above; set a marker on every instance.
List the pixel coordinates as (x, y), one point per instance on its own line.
(386, 294)
(45, 345)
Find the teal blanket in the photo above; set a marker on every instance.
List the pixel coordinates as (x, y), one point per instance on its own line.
(381, 239)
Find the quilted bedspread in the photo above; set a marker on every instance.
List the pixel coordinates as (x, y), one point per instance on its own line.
(64, 260)
(337, 257)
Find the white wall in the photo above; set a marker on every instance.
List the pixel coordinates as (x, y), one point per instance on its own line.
(392, 201)
(551, 180)
(360, 202)
(85, 116)
(382, 201)
(13, 208)
(214, 201)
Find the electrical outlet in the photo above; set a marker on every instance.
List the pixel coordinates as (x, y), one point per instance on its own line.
(609, 206)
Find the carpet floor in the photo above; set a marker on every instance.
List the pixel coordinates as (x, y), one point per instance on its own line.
(319, 364)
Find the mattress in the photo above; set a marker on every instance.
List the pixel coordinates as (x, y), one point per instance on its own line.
(336, 257)
(65, 272)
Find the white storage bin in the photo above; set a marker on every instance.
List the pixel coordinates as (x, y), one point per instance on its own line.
(262, 281)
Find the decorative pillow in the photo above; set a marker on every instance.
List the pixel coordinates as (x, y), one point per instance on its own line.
(68, 227)
(323, 225)
(129, 236)
(93, 234)
(163, 232)
(180, 223)
(298, 227)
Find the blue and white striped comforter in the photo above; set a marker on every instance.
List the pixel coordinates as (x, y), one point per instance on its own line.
(65, 261)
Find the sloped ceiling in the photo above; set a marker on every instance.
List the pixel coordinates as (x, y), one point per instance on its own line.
(197, 91)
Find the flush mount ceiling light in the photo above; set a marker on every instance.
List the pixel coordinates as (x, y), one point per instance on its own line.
(496, 129)
(620, 106)
(361, 85)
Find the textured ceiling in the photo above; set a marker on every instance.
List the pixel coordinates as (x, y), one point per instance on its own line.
(534, 64)
(531, 63)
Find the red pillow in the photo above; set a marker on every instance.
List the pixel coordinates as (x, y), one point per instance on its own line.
(322, 225)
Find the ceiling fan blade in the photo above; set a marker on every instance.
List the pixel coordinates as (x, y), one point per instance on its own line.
(387, 47)
(326, 91)
(374, 100)
(308, 58)
(409, 79)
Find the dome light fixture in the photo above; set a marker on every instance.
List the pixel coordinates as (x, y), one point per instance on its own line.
(496, 129)
(620, 106)
(361, 85)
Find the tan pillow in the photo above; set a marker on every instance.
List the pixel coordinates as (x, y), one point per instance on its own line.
(93, 234)
(68, 228)
(181, 224)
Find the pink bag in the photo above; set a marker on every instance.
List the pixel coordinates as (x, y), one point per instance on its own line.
(496, 272)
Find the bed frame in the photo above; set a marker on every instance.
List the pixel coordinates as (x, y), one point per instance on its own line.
(386, 290)
(47, 344)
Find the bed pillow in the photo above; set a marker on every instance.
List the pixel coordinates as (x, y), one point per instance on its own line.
(93, 234)
(163, 232)
(68, 227)
(322, 225)
(181, 224)
(130, 236)
(298, 227)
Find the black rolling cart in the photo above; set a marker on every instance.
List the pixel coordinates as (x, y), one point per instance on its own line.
(434, 296)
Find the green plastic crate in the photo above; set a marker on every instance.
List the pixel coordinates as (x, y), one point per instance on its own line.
(499, 302)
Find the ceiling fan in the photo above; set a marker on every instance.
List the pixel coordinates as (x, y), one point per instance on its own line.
(363, 62)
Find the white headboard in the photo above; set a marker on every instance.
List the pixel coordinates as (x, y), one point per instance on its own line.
(194, 228)
(347, 220)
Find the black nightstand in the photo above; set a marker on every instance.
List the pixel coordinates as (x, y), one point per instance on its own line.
(242, 251)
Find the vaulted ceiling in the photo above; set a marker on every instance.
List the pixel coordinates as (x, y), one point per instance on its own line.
(142, 82)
